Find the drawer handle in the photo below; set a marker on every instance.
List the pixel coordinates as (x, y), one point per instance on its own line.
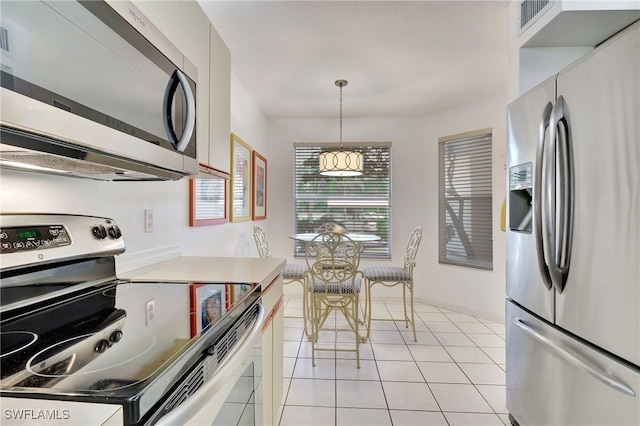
(581, 362)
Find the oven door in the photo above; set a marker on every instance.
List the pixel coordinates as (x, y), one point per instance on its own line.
(231, 394)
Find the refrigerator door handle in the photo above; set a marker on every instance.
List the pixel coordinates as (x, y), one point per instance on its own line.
(581, 361)
(559, 261)
(537, 197)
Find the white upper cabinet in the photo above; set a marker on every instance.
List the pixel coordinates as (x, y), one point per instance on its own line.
(568, 23)
(219, 104)
(545, 36)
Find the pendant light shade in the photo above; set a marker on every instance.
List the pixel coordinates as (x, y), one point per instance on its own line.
(341, 162)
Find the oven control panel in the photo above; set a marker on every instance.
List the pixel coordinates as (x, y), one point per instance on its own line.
(33, 238)
(30, 239)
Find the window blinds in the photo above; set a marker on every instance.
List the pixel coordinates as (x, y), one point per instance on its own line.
(465, 205)
(361, 204)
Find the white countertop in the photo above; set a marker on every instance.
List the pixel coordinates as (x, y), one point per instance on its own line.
(209, 269)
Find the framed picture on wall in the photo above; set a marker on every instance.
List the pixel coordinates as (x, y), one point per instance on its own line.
(240, 180)
(259, 198)
(208, 197)
(208, 304)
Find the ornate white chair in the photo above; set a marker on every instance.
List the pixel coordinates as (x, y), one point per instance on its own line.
(334, 283)
(331, 227)
(262, 244)
(390, 276)
(292, 273)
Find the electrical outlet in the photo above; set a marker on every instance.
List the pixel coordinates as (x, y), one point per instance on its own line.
(150, 311)
(148, 220)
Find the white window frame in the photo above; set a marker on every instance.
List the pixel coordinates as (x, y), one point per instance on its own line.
(362, 204)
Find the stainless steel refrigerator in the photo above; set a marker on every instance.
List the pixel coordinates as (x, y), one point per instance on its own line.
(573, 243)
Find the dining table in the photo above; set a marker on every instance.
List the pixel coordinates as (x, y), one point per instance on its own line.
(363, 238)
(308, 236)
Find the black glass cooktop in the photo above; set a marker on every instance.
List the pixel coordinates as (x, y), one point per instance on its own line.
(123, 341)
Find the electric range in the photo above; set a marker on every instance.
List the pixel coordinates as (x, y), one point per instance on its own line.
(72, 331)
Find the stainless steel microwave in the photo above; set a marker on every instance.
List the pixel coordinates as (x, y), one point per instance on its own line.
(94, 89)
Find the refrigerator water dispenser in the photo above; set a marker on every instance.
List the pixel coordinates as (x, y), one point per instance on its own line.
(520, 197)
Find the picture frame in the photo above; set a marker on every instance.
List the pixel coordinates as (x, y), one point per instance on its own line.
(237, 292)
(259, 197)
(208, 197)
(240, 180)
(208, 304)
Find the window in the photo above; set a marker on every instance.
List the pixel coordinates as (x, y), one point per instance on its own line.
(465, 213)
(361, 204)
(208, 197)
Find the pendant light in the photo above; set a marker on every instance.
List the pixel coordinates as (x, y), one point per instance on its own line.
(341, 162)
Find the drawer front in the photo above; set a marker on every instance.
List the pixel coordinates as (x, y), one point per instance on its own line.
(553, 379)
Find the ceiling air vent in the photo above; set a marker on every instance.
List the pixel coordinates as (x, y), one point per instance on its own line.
(530, 9)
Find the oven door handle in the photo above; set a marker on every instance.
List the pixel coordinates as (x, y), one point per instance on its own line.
(183, 413)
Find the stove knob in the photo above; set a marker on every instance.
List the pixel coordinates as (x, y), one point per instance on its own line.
(99, 232)
(116, 336)
(102, 346)
(114, 232)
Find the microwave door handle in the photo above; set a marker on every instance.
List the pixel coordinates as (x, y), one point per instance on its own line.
(539, 183)
(190, 120)
(178, 78)
(183, 413)
(559, 268)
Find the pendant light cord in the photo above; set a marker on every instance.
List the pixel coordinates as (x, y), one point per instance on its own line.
(340, 117)
(340, 163)
(341, 84)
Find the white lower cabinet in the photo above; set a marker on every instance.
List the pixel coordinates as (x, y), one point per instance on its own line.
(272, 352)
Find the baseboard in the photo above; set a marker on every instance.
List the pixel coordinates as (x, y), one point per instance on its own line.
(463, 310)
(296, 294)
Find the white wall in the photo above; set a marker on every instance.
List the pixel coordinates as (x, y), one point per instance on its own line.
(414, 195)
(234, 238)
(282, 133)
(125, 202)
(471, 290)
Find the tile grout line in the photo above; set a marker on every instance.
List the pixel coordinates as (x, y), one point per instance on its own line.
(405, 345)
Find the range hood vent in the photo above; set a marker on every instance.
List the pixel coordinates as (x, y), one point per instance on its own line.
(25, 151)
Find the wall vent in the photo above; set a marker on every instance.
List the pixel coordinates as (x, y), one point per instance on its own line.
(529, 9)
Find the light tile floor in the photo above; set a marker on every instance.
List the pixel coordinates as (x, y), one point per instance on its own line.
(453, 375)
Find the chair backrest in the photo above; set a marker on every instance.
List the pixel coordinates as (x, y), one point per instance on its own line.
(412, 249)
(262, 244)
(331, 227)
(333, 260)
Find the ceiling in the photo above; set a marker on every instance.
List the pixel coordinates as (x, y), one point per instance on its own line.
(401, 58)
